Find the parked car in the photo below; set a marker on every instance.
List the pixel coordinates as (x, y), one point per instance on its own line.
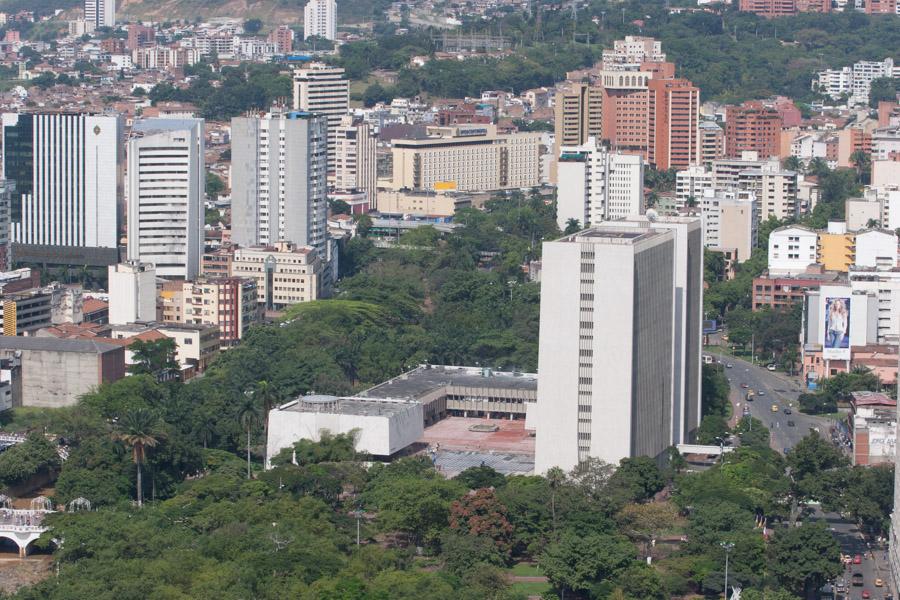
(760, 393)
(771, 367)
(787, 411)
(790, 423)
(729, 366)
(744, 385)
(857, 560)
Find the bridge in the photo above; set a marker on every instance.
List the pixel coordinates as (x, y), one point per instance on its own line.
(22, 527)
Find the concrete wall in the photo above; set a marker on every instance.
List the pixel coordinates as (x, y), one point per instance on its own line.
(54, 379)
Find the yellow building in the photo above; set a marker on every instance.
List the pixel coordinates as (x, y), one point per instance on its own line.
(836, 248)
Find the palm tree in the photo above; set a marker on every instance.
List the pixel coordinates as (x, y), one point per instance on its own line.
(572, 226)
(248, 415)
(555, 478)
(140, 429)
(267, 394)
(862, 162)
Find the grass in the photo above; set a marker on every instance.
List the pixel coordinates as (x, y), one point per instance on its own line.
(531, 589)
(524, 569)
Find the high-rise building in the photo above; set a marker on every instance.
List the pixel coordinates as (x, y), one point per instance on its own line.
(632, 52)
(283, 38)
(467, 158)
(690, 184)
(881, 7)
(688, 313)
(68, 174)
(578, 114)
(320, 19)
(730, 222)
(356, 158)
(132, 293)
(597, 185)
(323, 90)
(102, 13)
(752, 127)
(606, 347)
(166, 188)
(6, 190)
(278, 179)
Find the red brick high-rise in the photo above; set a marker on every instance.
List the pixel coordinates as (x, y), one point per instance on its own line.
(784, 8)
(881, 7)
(752, 127)
(283, 38)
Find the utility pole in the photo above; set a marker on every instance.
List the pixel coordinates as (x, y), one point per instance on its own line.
(728, 547)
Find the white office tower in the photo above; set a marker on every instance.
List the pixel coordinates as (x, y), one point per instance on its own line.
(605, 355)
(730, 222)
(320, 19)
(597, 185)
(132, 293)
(68, 176)
(102, 13)
(278, 180)
(323, 90)
(166, 187)
(355, 165)
(688, 326)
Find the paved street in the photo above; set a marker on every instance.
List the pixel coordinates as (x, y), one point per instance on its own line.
(777, 389)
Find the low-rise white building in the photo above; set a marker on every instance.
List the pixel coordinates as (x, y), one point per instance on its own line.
(876, 248)
(692, 183)
(382, 427)
(792, 249)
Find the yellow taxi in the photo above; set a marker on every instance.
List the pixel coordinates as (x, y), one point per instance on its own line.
(774, 408)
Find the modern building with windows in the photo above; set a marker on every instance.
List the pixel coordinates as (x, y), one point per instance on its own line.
(100, 13)
(356, 156)
(228, 302)
(166, 188)
(132, 293)
(320, 19)
(285, 274)
(597, 185)
(68, 173)
(278, 179)
(606, 349)
(323, 90)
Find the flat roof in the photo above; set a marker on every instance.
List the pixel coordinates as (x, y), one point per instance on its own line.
(52, 344)
(427, 378)
(351, 405)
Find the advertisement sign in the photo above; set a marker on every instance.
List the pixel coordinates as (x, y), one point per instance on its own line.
(444, 186)
(837, 329)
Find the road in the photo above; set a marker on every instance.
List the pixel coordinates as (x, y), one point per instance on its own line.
(777, 389)
(783, 392)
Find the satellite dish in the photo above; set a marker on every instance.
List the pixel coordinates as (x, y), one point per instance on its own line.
(652, 215)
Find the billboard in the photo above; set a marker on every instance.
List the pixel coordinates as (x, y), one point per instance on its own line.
(836, 344)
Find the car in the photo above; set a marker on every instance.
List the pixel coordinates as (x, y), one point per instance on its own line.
(744, 385)
(729, 366)
(866, 595)
(857, 560)
(760, 393)
(774, 408)
(790, 423)
(787, 411)
(770, 367)
(879, 583)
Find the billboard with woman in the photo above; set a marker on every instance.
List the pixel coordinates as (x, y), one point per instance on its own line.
(837, 329)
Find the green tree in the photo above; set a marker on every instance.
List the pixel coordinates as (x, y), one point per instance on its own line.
(214, 185)
(883, 89)
(248, 416)
(640, 476)
(139, 429)
(575, 563)
(153, 357)
(572, 226)
(481, 477)
(253, 26)
(804, 558)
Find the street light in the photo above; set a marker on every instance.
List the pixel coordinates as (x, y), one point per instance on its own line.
(728, 547)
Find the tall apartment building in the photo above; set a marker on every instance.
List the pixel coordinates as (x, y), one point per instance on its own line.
(752, 127)
(606, 347)
(712, 142)
(653, 114)
(102, 13)
(775, 190)
(278, 179)
(691, 183)
(6, 190)
(730, 222)
(166, 189)
(467, 158)
(229, 302)
(320, 19)
(285, 274)
(578, 114)
(323, 90)
(283, 38)
(597, 185)
(782, 8)
(132, 293)
(356, 158)
(688, 313)
(68, 174)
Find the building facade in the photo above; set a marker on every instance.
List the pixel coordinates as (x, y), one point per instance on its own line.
(605, 391)
(132, 292)
(356, 158)
(68, 170)
(100, 13)
(470, 158)
(323, 90)
(752, 127)
(166, 190)
(320, 19)
(278, 179)
(597, 185)
(284, 274)
(230, 303)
